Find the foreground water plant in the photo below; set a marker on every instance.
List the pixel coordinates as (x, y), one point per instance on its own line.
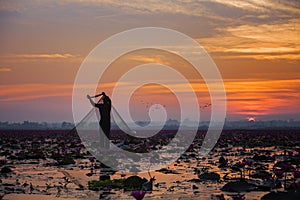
(138, 195)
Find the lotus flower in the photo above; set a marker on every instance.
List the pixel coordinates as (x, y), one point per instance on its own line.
(138, 195)
(92, 159)
(78, 149)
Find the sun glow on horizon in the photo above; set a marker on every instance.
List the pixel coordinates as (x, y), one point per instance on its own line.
(251, 119)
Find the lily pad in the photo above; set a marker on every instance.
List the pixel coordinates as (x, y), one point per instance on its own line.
(282, 196)
(238, 186)
(209, 176)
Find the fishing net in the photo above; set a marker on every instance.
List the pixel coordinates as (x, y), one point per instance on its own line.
(118, 155)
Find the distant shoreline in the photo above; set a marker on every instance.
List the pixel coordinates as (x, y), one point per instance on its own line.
(169, 125)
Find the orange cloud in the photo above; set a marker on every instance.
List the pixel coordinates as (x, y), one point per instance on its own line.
(33, 91)
(262, 6)
(244, 97)
(39, 57)
(260, 42)
(17, 92)
(5, 69)
(262, 97)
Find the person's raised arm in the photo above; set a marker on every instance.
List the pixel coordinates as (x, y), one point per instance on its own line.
(98, 95)
(91, 101)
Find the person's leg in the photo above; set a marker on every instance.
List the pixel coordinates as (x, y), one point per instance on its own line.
(102, 135)
(107, 135)
(105, 126)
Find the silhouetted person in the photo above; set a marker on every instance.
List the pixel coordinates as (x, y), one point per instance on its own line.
(104, 106)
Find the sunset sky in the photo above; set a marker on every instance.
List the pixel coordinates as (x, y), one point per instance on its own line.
(254, 43)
